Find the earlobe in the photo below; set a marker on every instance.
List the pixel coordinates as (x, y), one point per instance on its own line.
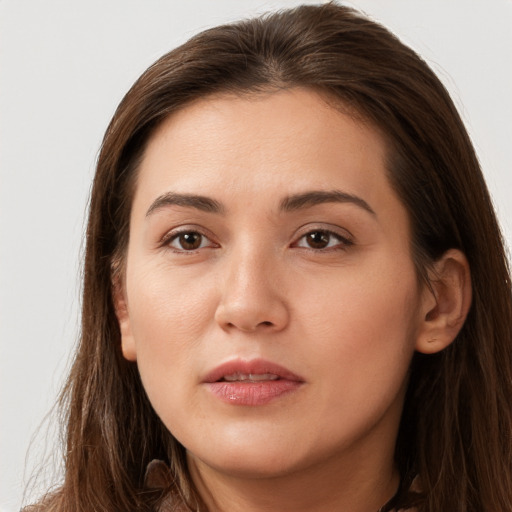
(123, 319)
(446, 302)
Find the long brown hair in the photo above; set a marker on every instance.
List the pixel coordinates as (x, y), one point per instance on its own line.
(456, 430)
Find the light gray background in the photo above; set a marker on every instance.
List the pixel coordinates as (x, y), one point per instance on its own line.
(64, 66)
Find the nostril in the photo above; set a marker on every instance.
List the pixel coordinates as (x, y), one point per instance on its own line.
(248, 315)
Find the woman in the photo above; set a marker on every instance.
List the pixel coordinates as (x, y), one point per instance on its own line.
(296, 295)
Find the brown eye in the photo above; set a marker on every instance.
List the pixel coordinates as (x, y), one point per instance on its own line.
(188, 241)
(318, 239)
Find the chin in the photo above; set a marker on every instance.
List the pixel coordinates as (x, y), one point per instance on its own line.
(254, 462)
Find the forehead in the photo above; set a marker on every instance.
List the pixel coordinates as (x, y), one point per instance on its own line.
(293, 134)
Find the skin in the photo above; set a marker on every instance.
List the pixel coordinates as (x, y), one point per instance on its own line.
(346, 317)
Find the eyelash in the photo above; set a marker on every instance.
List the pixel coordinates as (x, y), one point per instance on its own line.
(342, 242)
(175, 235)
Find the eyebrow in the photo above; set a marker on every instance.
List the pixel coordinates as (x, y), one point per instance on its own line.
(203, 203)
(288, 204)
(316, 197)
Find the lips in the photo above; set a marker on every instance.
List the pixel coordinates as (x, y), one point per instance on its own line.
(252, 383)
(251, 377)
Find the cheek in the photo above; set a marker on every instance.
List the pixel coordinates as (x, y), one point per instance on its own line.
(169, 316)
(381, 295)
(363, 323)
(168, 309)
(167, 332)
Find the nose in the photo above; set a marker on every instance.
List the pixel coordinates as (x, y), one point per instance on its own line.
(251, 296)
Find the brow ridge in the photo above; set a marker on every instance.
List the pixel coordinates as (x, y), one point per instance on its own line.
(288, 204)
(316, 197)
(199, 202)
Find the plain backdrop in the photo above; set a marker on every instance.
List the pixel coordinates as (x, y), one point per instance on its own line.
(64, 66)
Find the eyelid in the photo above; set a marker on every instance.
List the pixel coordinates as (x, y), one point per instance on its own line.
(346, 238)
(343, 235)
(174, 233)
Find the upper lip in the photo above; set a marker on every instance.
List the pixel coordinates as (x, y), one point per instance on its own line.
(254, 367)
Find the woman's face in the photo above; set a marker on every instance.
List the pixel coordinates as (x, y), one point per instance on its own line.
(270, 298)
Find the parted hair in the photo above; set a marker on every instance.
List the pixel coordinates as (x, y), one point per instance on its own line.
(456, 430)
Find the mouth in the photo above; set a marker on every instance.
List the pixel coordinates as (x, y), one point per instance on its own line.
(251, 383)
(249, 377)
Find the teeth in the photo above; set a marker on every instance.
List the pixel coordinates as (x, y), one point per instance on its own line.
(234, 377)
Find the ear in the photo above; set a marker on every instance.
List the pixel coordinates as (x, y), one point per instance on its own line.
(446, 303)
(123, 318)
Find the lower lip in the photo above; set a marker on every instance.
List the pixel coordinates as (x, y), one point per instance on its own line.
(253, 393)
